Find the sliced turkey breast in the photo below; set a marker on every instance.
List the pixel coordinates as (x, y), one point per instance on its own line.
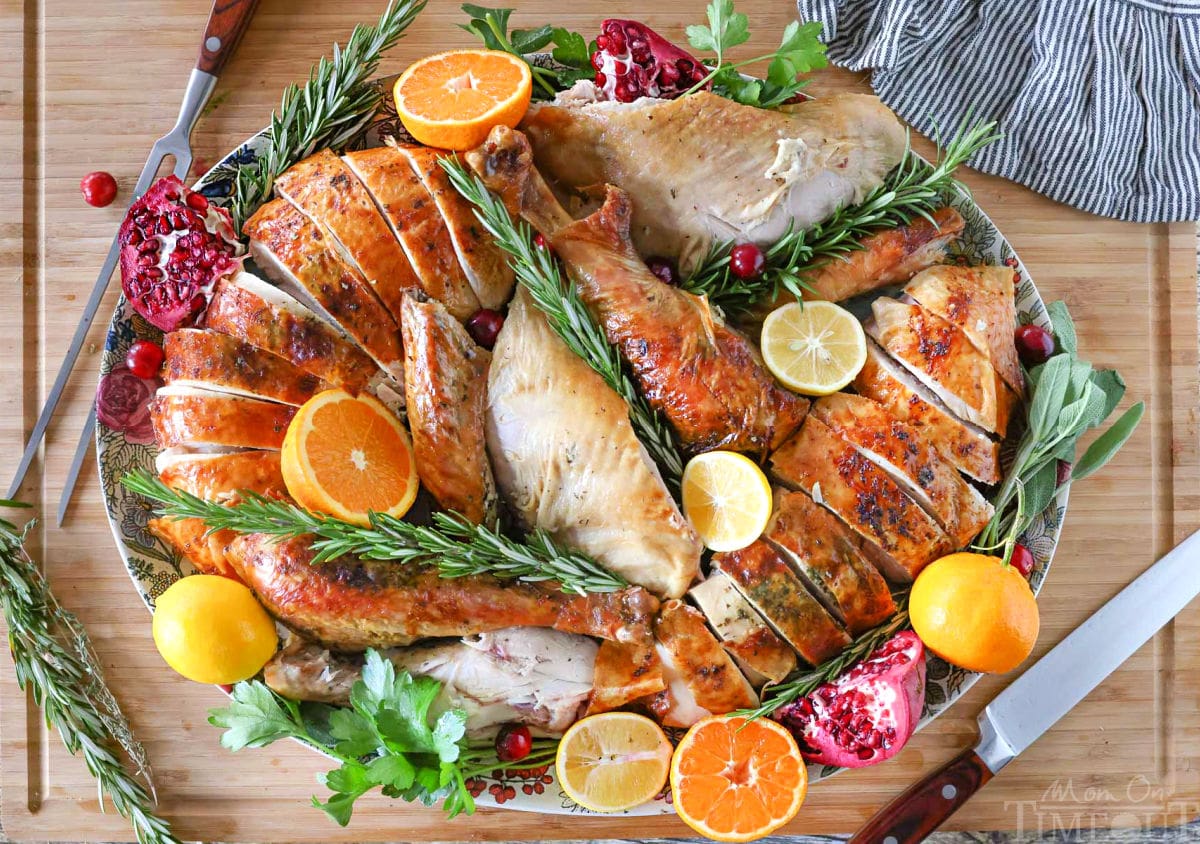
(214, 361)
(625, 672)
(944, 360)
(194, 418)
(417, 224)
(700, 676)
(968, 447)
(903, 538)
(771, 586)
(485, 264)
(259, 313)
(326, 191)
(296, 254)
(757, 650)
(829, 558)
(903, 452)
(980, 302)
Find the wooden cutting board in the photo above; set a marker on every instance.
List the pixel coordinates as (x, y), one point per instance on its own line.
(87, 86)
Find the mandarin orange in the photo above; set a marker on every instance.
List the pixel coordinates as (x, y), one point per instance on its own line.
(734, 779)
(975, 612)
(349, 456)
(452, 100)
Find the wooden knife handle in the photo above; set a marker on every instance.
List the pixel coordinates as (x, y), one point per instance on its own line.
(923, 808)
(226, 23)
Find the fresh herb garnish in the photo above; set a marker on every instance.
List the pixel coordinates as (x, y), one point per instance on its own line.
(800, 51)
(1067, 399)
(54, 662)
(538, 271)
(791, 690)
(571, 50)
(388, 738)
(456, 546)
(335, 104)
(913, 189)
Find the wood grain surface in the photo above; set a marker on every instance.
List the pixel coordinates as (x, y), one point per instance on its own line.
(88, 85)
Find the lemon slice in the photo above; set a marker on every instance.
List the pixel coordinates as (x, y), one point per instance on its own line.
(727, 498)
(815, 348)
(613, 761)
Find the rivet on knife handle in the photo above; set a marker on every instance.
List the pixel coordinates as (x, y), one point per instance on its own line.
(226, 23)
(911, 817)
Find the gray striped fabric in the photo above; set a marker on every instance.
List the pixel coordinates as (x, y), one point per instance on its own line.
(1099, 100)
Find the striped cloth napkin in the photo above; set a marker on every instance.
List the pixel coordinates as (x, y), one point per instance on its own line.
(1099, 100)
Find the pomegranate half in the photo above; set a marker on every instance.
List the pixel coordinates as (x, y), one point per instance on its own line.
(632, 60)
(175, 245)
(866, 715)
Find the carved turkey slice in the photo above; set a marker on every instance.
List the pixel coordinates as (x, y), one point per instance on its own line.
(414, 218)
(259, 313)
(213, 361)
(195, 419)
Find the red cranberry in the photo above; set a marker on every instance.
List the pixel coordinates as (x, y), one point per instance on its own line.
(98, 189)
(1034, 344)
(144, 359)
(1062, 473)
(484, 326)
(1022, 560)
(746, 260)
(663, 269)
(513, 743)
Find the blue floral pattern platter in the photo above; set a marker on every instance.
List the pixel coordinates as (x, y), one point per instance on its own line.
(125, 441)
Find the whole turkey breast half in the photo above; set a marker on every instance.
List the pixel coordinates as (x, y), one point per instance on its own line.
(705, 169)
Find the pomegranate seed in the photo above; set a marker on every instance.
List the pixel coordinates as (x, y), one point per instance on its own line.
(664, 269)
(601, 79)
(1034, 344)
(1022, 560)
(598, 61)
(197, 202)
(541, 243)
(99, 188)
(513, 743)
(484, 326)
(144, 359)
(746, 261)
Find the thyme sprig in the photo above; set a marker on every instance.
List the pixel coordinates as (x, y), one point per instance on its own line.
(54, 661)
(803, 684)
(538, 272)
(332, 107)
(455, 546)
(913, 189)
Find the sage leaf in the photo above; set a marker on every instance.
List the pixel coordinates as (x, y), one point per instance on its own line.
(1105, 446)
(1064, 327)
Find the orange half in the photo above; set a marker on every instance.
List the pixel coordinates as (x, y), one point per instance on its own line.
(349, 456)
(737, 780)
(452, 100)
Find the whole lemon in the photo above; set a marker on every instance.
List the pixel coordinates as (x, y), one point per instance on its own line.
(212, 629)
(975, 612)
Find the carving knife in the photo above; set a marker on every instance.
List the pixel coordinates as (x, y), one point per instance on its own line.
(226, 23)
(1048, 690)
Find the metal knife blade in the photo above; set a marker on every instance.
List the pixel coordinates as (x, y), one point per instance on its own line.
(1058, 681)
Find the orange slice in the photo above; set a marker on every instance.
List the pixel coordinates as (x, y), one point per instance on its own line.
(452, 100)
(349, 456)
(737, 780)
(613, 761)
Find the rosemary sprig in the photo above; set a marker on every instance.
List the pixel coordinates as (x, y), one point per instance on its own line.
(54, 660)
(792, 690)
(454, 545)
(538, 271)
(331, 108)
(913, 189)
